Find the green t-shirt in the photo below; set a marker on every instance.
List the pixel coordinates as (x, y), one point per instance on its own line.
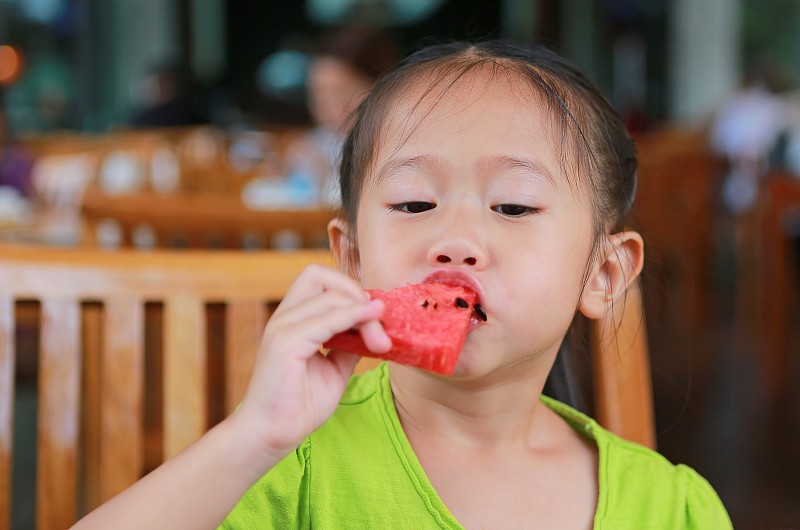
(359, 471)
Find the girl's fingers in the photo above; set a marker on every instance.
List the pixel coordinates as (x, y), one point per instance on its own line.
(320, 326)
(374, 336)
(344, 362)
(319, 290)
(371, 330)
(316, 279)
(319, 304)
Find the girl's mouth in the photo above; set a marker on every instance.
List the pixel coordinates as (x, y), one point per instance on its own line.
(479, 312)
(461, 279)
(475, 321)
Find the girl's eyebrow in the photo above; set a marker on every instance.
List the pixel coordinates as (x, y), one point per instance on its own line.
(418, 163)
(529, 166)
(433, 163)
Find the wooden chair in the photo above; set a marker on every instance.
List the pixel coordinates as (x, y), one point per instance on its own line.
(200, 221)
(100, 312)
(675, 210)
(776, 279)
(622, 383)
(95, 307)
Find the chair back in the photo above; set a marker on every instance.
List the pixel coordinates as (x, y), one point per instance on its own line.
(774, 282)
(98, 315)
(676, 210)
(139, 353)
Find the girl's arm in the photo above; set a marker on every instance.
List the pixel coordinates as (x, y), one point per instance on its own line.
(294, 389)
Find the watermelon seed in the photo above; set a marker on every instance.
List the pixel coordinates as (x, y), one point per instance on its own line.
(460, 302)
(425, 304)
(480, 312)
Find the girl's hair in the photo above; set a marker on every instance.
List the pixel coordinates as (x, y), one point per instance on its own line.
(603, 153)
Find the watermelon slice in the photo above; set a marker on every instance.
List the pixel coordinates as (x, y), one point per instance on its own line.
(427, 323)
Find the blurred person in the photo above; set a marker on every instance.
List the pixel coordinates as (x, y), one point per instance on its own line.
(16, 165)
(166, 99)
(344, 68)
(744, 132)
(16, 161)
(786, 154)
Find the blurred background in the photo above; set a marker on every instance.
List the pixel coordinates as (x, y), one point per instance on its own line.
(91, 65)
(112, 106)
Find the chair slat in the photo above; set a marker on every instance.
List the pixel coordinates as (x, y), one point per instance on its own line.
(122, 387)
(59, 385)
(243, 327)
(185, 387)
(7, 365)
(91, 336)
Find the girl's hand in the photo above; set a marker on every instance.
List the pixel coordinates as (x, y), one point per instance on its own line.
(294, 387)
(293, 390)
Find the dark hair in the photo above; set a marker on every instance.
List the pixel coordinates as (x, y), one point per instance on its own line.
(592, 131)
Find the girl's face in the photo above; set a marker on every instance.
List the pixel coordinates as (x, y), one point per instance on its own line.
(472, 191)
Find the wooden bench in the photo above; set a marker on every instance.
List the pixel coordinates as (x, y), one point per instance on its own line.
(95, 324)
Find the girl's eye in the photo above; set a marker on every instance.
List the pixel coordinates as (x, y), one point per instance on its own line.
(514, 210)
(412, 207)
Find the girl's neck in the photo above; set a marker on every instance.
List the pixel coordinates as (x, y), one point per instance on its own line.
(494, 412)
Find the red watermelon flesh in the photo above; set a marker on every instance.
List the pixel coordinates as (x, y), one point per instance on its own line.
(427, 323)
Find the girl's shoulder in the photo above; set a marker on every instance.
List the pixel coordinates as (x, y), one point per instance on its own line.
(639, 487)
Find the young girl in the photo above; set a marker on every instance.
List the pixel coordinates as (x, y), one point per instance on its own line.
(498, 167)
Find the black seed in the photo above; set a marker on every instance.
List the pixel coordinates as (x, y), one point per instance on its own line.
(479, 311)
(425, 304)
(382, 323)
(436, 305)
(460, 302)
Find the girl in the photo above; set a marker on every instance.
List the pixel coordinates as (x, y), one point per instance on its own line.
(494, 166)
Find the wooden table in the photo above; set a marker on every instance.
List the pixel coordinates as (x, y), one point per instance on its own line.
(202, 220)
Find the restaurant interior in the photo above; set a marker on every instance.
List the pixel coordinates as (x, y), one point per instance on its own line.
(202, 136)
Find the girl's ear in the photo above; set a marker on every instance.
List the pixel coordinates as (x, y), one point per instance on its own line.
(344, 250)
(620, 262)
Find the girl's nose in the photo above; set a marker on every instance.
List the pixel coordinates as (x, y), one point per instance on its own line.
(469, 260)
(457, 251)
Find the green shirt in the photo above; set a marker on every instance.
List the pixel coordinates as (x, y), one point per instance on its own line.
(359, 471)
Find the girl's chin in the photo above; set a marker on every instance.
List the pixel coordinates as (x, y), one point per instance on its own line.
(470, 367)
(473, 366)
